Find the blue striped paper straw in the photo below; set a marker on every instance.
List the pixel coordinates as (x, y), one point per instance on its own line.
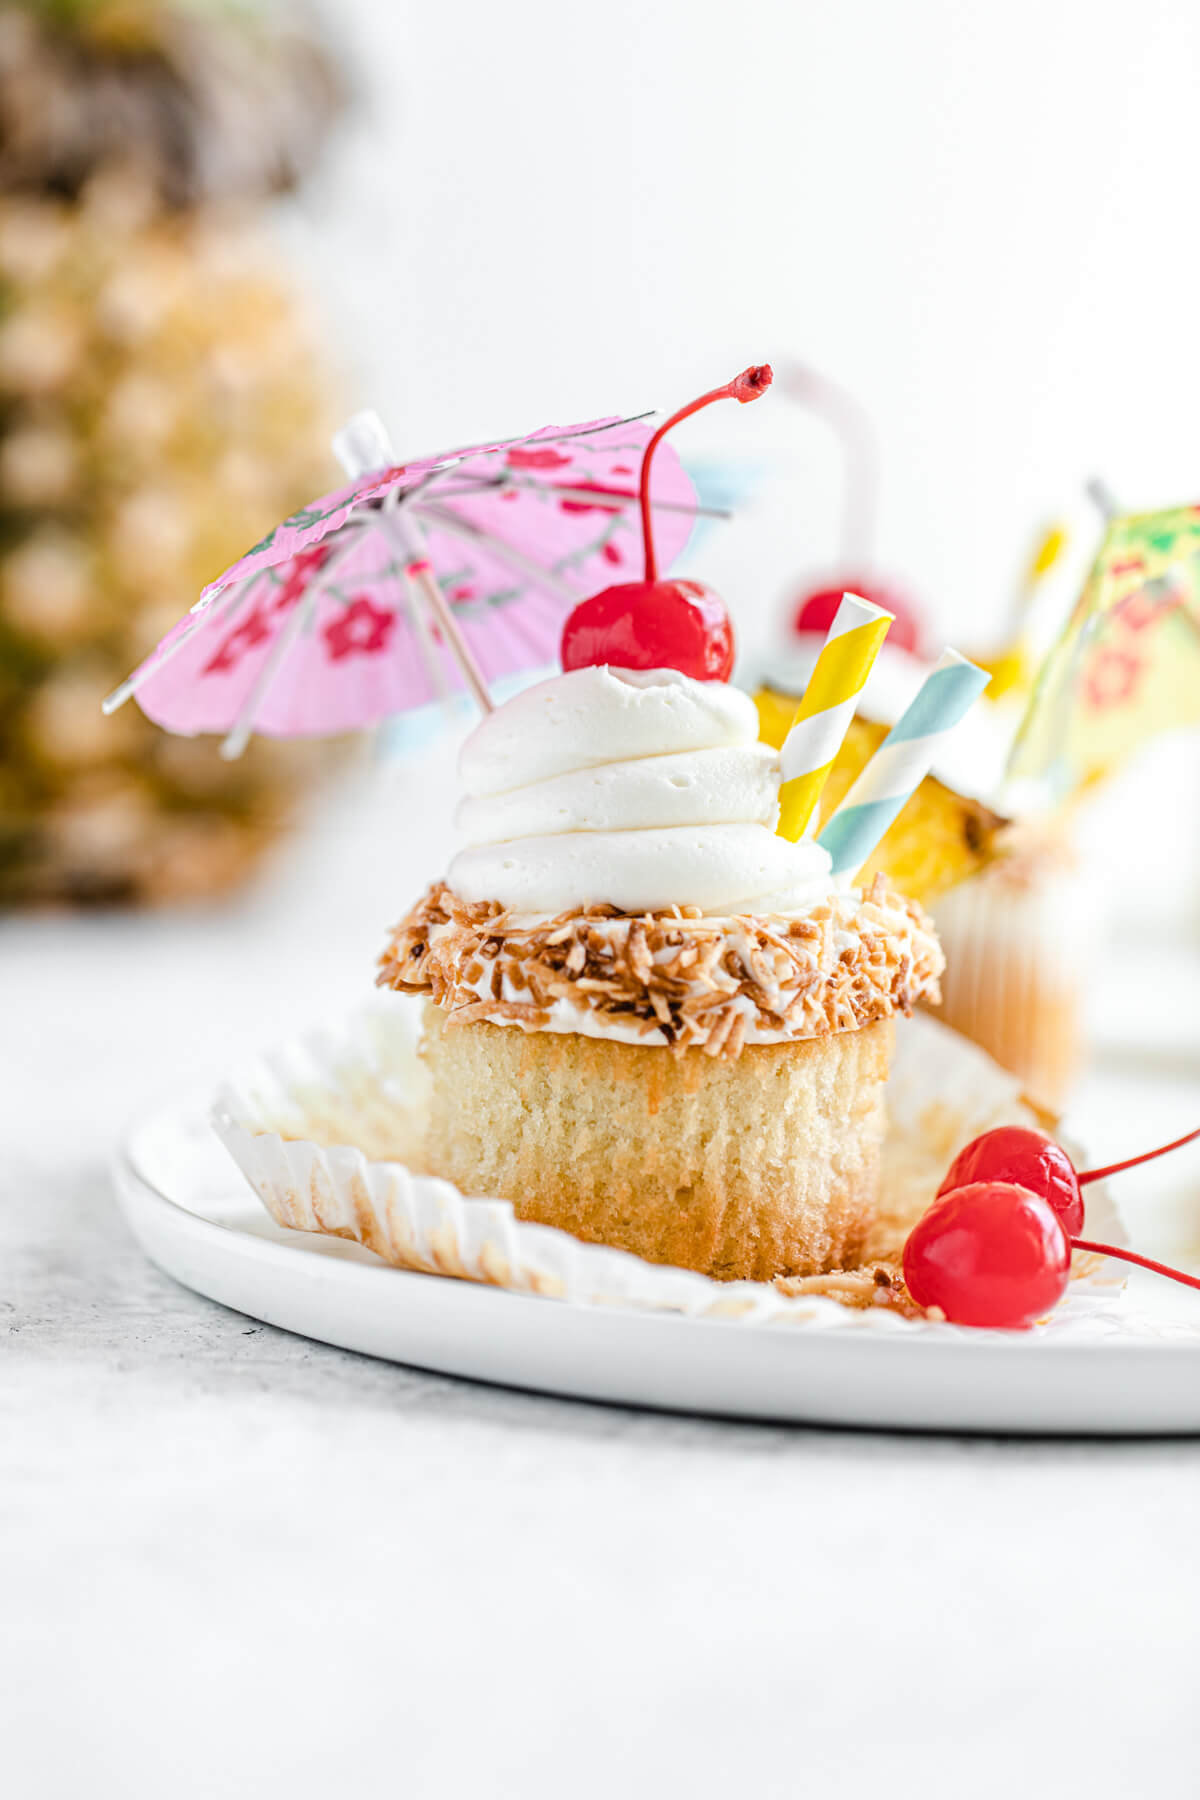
(902, 761)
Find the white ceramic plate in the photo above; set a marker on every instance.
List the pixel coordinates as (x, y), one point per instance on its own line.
(194, 1216)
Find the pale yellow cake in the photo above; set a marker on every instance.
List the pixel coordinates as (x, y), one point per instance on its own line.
(702, 1092)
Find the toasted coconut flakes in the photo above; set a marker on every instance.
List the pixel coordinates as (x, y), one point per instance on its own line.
(497, 1012)
(880, 1284)
(659, 1002)
(638, 951)
(697, 982)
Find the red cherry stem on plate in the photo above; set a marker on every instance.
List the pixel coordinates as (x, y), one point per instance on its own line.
(1131, 1256)
(747, 386)
(1143, 1262)
(1133, 1161)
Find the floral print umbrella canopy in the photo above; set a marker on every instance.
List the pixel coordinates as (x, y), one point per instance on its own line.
(1128, 662)
(411, 582)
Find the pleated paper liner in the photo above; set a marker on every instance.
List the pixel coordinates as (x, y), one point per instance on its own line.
(327, 1130)
(1021, 941)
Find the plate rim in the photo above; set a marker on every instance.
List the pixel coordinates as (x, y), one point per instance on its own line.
(186, 1106)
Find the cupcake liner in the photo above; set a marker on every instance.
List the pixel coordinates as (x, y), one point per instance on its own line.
(327, 1131)
(1021, 941)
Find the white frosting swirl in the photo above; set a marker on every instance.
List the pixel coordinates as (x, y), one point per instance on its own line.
(600, 715)
(685, 787)
(642, 790)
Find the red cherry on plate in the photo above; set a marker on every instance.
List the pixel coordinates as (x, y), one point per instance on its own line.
(991, 1254)
(1032, 1160)
(653, 624)
(815, 611)
(1035, 1161)
(1012, 1159)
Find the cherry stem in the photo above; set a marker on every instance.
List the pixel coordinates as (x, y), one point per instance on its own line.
(1143, 1262)
(1148, 1156)
(747, 386)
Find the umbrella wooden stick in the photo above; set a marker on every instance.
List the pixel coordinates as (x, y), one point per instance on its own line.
(1102, 498)
(404, 531)
(424, 637)
(420, 570)
(362, 444)
(414, 606)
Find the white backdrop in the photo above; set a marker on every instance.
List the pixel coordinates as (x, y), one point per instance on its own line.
(978, 217)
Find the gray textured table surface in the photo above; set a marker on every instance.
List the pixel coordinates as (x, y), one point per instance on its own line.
(237, 1563)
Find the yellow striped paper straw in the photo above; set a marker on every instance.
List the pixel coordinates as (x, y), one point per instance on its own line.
(838, 678)
(1013, 668)
(1050, 547)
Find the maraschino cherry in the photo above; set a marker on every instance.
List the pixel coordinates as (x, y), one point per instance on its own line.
(1034, 1161)
(653, 624)
(815, 611)
(1031, 1159)
(985, 1253)
(990, 1253)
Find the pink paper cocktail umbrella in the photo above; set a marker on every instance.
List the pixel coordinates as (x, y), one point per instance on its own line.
(410, 582)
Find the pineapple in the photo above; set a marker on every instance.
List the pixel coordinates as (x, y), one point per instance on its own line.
(162, 404)
(938, 839)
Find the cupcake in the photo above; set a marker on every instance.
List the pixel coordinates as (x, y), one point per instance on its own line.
(1021, 941)
(651, 1021)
